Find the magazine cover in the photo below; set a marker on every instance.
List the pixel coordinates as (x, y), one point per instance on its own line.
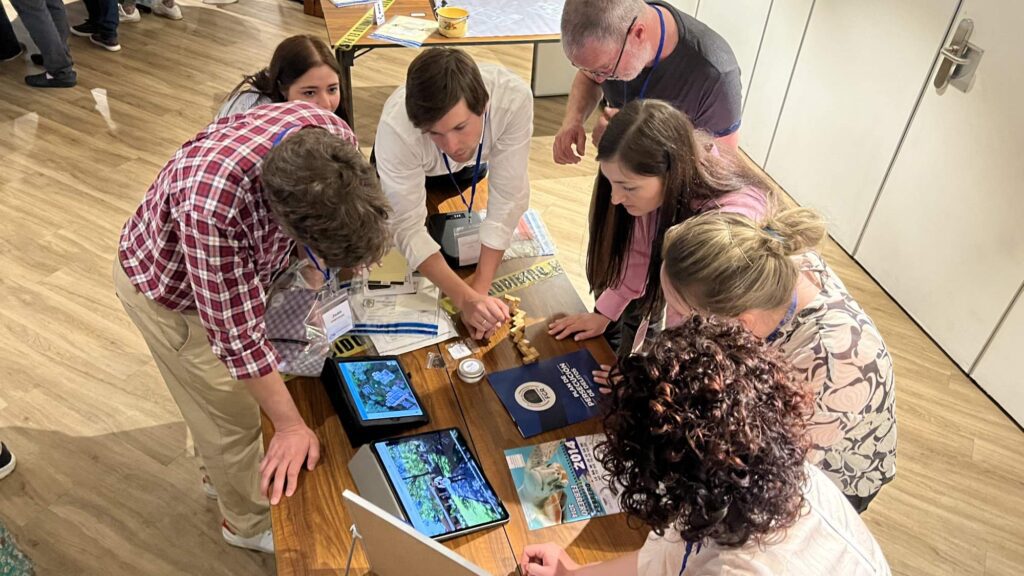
(561, 481)
(550, 394)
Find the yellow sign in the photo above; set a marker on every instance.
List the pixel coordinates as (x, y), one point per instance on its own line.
(516, 281)
(349, 345)
(359, 30)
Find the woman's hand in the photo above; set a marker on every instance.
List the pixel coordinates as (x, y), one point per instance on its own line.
(546, 560)
(584, 326)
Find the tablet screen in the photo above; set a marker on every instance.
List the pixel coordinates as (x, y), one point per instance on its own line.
(439, 483)
(379, 389)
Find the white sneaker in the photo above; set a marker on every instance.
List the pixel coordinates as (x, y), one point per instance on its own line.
(123, 16)
(169, 12)
(208, 488)
(261, 542)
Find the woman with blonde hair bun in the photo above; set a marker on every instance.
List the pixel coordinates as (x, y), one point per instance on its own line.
(767, 276)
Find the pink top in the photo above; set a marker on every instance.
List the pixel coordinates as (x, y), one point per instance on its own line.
(749, 201)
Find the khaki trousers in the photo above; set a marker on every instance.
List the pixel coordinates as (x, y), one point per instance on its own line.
(221, 413)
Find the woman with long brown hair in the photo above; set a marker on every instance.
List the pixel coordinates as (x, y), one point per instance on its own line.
(656, 171)
(302, 68)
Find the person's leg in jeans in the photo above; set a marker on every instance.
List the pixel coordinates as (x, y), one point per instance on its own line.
(101, 25)
(47, 24)
(10, 48)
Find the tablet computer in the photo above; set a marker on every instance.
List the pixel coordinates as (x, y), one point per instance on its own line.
(373, 395)
(439, 484)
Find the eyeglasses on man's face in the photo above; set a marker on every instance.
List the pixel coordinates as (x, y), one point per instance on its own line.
(601, 76)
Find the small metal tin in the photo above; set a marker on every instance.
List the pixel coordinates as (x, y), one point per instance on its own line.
(471, 370)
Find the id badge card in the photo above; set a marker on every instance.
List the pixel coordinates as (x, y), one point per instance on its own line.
(337, 313)
(467, 241)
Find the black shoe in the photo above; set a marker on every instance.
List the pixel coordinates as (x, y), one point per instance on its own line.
(37, 59)
(105, 42)
(85, 29)
(9, 57)
(45, 80)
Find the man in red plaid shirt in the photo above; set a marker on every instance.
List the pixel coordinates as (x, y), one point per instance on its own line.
(228, 212)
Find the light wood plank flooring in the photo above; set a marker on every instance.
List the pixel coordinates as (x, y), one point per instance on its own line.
(104, 485)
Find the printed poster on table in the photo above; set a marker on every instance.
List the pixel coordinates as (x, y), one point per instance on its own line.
(550, 394)
(561, 481)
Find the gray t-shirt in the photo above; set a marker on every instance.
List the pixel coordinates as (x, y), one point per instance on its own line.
(700, 78)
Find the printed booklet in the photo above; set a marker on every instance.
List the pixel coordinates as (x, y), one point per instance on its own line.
(550, 394)
(561, 481)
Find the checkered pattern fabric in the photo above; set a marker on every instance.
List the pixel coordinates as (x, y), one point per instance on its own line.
(204, 238)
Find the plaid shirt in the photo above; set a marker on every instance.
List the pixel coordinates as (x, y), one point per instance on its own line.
(204, 239)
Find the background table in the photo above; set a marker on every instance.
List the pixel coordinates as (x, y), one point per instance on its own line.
(340, 20)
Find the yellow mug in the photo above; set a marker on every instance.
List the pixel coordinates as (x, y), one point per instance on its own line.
(452, 22)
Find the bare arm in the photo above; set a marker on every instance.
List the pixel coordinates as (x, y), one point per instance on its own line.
(490, 259)
(551, 560)
(584, 96)
(293, 442)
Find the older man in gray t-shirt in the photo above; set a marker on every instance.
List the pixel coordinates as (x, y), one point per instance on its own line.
(628, 49)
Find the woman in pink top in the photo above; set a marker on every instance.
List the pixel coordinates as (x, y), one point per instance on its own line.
(656, 171)
(705, 437)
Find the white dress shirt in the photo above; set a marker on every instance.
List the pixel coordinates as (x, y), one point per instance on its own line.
(405, 156)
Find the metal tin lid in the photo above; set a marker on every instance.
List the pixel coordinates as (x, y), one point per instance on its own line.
(471, 369)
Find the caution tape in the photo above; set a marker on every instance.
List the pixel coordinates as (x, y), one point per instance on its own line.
(359, 30)
(516, 281)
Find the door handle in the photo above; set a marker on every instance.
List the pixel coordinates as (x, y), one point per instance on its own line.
(959, 59)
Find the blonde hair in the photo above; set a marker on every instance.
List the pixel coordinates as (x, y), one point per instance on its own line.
(727, 263)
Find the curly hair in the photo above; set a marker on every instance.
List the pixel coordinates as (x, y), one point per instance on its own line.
(325, 195)
(705, 434)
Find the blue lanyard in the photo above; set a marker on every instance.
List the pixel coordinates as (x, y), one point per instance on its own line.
(657, 60)
(476, 169)
(280, 136)
(785, 320)
(325, 271)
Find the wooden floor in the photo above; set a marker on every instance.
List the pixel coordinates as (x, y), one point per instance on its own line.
(104, 485)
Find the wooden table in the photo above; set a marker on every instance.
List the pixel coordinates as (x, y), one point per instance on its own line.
(340, 20)
(311, 528)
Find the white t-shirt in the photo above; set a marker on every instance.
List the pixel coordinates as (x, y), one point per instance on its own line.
(829, 539)
(405, 156)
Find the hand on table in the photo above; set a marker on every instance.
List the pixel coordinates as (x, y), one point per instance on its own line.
(288, 449)
(605, 379)
(483, 315)
(584, 326)
(546, 560)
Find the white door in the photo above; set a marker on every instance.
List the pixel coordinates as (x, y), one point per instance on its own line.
(998, 369)
(769, 78)
(946, 238)
(858, 77)
(741, 23)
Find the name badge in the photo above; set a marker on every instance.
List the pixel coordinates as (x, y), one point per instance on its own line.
(467, 239)
(337, 314)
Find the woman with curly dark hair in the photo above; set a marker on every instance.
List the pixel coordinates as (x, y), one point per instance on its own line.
(705, 435)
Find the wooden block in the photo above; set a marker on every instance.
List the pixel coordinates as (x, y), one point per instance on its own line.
(513, 303)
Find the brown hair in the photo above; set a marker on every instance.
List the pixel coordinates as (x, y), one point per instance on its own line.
(651, 138)
(705, 434)
(326, 195)
(293, 57)
(437, 80)
(727, 264)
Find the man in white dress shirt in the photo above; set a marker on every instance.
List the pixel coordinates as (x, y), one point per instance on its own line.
(456, 120)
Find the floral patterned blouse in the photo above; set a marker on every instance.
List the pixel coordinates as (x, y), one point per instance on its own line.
(837, 348)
